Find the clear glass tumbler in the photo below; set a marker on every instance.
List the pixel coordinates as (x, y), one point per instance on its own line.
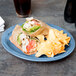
(23, 7)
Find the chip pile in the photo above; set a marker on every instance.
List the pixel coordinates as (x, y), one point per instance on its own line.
(55, 43)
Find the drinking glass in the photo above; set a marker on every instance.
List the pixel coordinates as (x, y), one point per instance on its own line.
(23, 7)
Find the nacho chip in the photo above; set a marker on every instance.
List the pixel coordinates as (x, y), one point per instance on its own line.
(62, 37)
(43, 49)
(41, 38)
(55, 43)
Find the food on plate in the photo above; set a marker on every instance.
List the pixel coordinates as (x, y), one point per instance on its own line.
(36, 37)
(24, 42)
(34, 27)
(55, 43)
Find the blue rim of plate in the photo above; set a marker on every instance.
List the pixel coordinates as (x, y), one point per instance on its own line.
(6, 44)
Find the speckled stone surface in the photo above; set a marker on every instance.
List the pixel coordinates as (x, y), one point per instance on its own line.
(50, 11)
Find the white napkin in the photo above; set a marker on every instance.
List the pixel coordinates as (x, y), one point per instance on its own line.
(2, 24)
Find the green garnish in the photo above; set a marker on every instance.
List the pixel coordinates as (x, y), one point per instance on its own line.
(30, 30)
(33, 29)
(22, 25)
(26, 21)
(18, 39)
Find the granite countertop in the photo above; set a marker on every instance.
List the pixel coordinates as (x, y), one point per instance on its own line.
(50, 11)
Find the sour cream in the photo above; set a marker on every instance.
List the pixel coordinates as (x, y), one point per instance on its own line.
(24, 48)
(31, 22)
(24, 44)
(24, 41)
(29, 18)
(27, 25)
(22, 36)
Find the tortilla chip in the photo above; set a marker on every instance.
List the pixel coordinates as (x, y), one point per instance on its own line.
(45, 49)
(41, 38)
(55, 43)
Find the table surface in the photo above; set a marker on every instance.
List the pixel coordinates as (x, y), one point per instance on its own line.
(51, 11)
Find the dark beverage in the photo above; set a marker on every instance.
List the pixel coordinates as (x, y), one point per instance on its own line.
(70, 11)
(23, 7)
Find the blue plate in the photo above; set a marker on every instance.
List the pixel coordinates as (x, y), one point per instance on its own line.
(16, 52)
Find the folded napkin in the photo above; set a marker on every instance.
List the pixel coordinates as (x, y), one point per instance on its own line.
(2, 24)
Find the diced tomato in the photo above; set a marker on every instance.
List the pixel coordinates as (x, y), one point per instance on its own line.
(36, 22)
(31, 45)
